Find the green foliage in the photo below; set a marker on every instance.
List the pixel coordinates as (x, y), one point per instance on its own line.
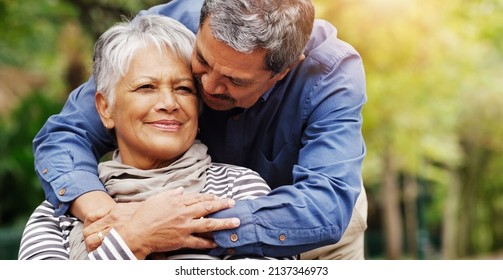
(434, 85)
(44, 37)
(29, 30)
(99, 15)
(20, 190)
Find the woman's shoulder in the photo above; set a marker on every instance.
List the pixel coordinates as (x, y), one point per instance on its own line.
(237, 182)
(45, 209)
(44, 213)
(234, 171)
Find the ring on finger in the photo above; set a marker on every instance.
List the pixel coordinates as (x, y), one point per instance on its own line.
(100, 236)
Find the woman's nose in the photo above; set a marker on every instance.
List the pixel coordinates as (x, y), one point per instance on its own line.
(167, 101)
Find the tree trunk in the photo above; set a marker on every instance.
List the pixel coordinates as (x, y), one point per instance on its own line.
(450, 228)
(391, 210)
(411, 215)
(471, 174)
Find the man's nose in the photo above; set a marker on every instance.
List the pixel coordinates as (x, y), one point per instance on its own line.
(212, 83)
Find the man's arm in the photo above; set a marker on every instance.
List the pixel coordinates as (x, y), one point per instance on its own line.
(185, 11)
(68, 147)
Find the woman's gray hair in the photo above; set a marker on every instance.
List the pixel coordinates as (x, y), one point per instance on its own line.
(115, 49)
(282, 27)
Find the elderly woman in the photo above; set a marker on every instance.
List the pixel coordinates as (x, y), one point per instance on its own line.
(146, 96)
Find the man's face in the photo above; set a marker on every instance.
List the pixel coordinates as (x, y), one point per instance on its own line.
(229, 78)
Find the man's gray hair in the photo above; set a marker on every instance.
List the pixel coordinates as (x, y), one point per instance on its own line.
(282, 27)
(115, 49)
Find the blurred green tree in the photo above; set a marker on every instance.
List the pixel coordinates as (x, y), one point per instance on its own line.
(433, 75)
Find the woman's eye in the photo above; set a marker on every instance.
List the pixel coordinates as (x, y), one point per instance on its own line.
(145, 87)
(183, 89)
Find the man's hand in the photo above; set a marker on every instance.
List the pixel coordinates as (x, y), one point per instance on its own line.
(165, 222)
(98, 223)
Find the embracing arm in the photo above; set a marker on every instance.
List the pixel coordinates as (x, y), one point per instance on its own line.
(68, 147)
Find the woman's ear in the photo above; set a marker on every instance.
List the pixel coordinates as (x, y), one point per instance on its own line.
(104, 110)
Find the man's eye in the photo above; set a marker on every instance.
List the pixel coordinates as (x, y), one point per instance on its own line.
(238, 83)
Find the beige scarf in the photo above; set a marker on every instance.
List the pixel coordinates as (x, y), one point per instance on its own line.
(126, 183)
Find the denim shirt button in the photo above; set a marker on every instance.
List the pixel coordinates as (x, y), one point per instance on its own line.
(282, 237)
(234, 237)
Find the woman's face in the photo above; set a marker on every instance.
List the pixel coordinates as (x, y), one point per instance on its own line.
(155, 115)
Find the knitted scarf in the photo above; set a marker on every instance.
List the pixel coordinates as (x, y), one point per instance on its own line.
(126, 183)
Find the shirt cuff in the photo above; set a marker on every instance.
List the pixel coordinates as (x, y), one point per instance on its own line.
(66, 190)
(242, 240)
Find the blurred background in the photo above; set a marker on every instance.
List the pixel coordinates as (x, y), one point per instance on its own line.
(433, 123)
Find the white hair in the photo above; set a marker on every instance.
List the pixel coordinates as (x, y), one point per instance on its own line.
(115, 49)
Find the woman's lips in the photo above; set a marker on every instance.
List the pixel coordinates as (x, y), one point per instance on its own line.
(166, 124)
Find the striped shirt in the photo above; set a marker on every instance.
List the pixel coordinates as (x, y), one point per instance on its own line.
(46, 236)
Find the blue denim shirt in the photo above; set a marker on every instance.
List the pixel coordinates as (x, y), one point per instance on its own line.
(303, 136)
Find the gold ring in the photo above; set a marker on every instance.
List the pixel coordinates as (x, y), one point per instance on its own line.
(100, 236)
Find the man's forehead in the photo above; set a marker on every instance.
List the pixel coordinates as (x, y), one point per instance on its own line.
(217, 54)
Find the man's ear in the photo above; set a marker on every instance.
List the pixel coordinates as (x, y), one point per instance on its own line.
(104, 110)
(283, 73)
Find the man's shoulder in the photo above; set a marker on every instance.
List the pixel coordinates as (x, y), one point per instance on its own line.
(325, 46)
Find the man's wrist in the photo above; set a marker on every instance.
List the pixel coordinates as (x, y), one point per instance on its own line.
(91, 202)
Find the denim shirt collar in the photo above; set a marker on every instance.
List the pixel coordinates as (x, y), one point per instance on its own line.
(264, 96)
